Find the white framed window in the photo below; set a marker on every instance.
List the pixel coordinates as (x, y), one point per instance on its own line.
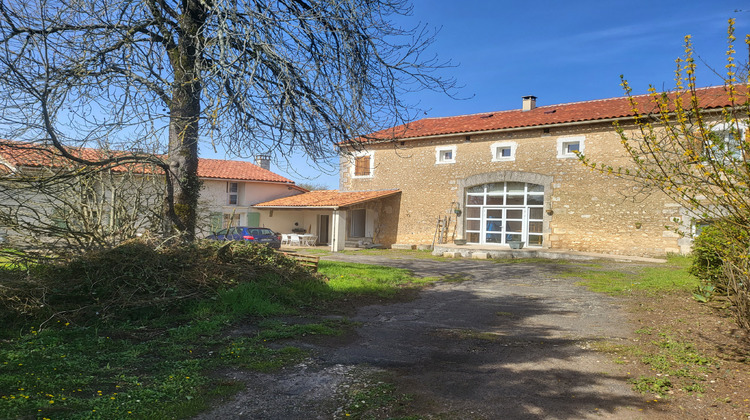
(503, 151)
(233, 195)
(567, 147)
(445, 154)
(362, 164)
(728, 140)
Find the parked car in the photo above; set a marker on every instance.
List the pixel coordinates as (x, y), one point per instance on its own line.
(258, 235)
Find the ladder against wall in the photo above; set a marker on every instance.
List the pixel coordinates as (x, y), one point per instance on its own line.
(442, 229)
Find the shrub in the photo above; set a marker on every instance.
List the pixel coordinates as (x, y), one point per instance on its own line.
(720, 261)
(709, 249)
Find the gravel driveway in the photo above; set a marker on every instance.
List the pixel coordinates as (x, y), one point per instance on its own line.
(513, 342)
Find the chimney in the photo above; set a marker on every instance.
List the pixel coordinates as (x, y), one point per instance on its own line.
(529, 103)
(264, 161)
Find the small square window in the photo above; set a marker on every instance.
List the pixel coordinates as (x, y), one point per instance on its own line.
(362, 165)
(445, 154)
(503, 151)
(569, 147)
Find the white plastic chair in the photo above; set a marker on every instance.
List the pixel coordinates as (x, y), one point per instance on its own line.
(294, 240)
(284, 239)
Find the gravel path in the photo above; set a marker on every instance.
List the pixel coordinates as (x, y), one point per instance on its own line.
(513, 342)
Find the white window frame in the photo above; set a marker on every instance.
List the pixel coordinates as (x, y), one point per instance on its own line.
(562, 145)
(494, 148)
(439, 157)
(725, 128)
(235, 193)
(355, 155)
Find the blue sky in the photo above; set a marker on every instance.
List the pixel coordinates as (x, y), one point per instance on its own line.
(562, 51)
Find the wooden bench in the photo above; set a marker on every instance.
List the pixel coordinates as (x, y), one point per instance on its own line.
(309, 261)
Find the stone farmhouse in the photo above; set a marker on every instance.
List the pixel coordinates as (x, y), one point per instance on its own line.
(497, 177)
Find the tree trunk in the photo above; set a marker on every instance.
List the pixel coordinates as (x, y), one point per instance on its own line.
(185, 112)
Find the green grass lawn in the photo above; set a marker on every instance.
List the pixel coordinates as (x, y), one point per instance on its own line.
(156, 363)
(157, 367)
(653, 279)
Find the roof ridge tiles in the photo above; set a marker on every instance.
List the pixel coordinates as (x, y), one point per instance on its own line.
(613, 98)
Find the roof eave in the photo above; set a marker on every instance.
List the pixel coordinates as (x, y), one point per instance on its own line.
(509, 129)
(298, 207)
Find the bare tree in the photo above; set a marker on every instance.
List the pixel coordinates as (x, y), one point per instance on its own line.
(49, 203)
(155, 76)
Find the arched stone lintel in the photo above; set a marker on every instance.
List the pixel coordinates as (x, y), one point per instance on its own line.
(505, 176)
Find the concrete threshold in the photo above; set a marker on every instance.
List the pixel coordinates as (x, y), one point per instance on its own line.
(500, 252)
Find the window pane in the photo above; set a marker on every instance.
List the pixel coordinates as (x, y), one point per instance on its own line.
(475, 199)
(498, 187)
(473, 224)
(535, 187)
(495, 214)
(535, 240)
(535, 227)
(494, 226)
(516, 187)
(536, 213)
(514, 237)
(572, 147)
(514, 214)
(233, 187)
(495, 200)
(513, 226)
(494, 238)
(476, 189)
(514, 200)
(472, 237)
(535, 200)
(473, 212)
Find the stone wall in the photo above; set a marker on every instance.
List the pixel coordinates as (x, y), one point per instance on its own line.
(585, 210)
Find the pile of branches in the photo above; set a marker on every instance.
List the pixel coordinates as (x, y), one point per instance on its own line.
(136, 277)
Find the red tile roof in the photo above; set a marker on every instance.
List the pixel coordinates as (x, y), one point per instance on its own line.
(588, 111)
(33, 155)
(235, 169)
(328, 198)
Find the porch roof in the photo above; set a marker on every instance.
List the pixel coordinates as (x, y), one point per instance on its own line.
(332, 199)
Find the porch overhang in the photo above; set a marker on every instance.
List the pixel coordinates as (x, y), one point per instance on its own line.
(335, 201)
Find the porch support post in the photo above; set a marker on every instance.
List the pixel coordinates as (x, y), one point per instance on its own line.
(338, 230)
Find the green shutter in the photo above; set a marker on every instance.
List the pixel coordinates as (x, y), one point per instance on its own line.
(253, 219)
(216, 221)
